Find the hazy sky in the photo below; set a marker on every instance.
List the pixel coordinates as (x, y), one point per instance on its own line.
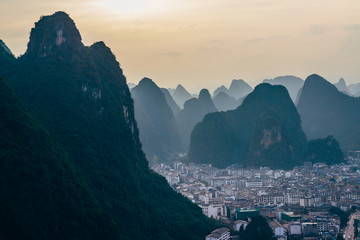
(207, 43)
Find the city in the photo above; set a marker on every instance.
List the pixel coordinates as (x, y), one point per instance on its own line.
(298, 203)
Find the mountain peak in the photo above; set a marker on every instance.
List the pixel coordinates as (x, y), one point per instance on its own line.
(55, 35)
(204, 94)
(316, 81)
(239, 88)
(180, 95)
(341, 86)
(180, 88)
(4, 48)
(147, 82)
(342, 81)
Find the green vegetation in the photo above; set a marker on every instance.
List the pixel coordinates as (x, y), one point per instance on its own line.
(257, 229)
(344, 216)
(325, 150)
(79, 94)
(356, 225)
(42, 197)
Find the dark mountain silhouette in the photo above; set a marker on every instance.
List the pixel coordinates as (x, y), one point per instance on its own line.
(7, 59)
(224, 102)
(341, 86)
(80, 95)
(194, 111)
(264, 131)
(325, 150)
(326, 111)
(219, 90)
(170, 101)
(158, 129)
(41, 195)
(239, 89)
(292, 84)
(180, 95)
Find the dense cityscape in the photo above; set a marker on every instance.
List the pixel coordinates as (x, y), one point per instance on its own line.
(305, 202)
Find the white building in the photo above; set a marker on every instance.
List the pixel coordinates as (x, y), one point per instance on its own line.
(219, 234)
(213, 210)
(278, 229)
(254, 184)
(295, 228)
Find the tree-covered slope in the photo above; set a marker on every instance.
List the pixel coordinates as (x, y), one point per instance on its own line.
(325, 150)
(159, 133)
(80, 95)
(42, 197)
(326, 111)
(230, 137)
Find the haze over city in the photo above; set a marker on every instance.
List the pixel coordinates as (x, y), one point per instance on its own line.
(208, 43)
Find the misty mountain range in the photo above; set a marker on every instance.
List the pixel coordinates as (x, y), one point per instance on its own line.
(76, 138)
(193, 114)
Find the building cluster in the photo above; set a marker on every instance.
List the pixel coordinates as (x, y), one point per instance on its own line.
(296, 202)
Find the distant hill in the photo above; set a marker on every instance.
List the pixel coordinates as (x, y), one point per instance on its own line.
(292, 84)
(170, 101)
(219, 90)
(79, 94)
(224, 102)
(354, 89)
(194, 111)
(180, 95)
(326, 111)
(341, 86)
(264, 131)
(131, 85)
(239, 89)
(158, 130)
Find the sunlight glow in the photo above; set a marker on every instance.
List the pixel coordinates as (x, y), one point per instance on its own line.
(131, 6)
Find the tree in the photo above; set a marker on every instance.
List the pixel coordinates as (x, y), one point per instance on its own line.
(258, 229)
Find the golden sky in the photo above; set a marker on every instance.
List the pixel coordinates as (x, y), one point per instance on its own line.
(207, 43)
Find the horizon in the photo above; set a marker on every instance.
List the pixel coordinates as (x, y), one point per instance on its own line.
(178, 42)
